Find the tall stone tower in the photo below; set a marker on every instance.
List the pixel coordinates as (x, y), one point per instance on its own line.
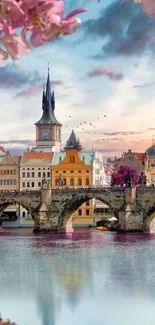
(48, 129)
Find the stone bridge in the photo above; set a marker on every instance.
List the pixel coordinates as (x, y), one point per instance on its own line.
(52, 208)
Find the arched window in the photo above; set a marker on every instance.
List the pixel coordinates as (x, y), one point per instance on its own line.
(72, 182)
(87, 181)
(79, 181)
(64, 181)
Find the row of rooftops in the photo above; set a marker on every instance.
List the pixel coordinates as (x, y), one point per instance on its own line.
(50, 158)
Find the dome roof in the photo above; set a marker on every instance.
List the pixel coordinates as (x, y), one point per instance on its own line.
(151, 151)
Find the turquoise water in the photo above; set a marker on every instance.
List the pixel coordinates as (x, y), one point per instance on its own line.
(77, 279)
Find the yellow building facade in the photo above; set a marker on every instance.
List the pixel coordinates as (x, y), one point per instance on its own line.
(73, 168)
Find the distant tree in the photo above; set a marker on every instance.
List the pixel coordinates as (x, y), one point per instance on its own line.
(125, 176)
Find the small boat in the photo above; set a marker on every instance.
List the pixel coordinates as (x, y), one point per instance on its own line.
(102, 228)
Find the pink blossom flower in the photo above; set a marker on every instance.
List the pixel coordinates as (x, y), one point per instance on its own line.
(42, 18)
(148, 6)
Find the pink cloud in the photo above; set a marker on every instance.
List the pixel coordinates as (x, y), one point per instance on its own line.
(111, 146)
(111, 74)
(34, 90)
(28, 92)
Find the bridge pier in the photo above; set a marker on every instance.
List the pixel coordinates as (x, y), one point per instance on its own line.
(44, 223)
(46, 218)
(130, 219)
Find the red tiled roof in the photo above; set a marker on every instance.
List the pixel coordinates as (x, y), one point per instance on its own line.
(38, 155)
(17, 158)
(109, 170)
(140, 156)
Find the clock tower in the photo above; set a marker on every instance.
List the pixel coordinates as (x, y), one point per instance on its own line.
(48, 129)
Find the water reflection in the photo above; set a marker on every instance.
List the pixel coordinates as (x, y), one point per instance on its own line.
(81, 279)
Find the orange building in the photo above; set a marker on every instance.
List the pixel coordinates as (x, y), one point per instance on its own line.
(74, 168)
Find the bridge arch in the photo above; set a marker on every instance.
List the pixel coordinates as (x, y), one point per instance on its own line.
(29, 201)
(148, 218)
(76, 201)
(8, 203)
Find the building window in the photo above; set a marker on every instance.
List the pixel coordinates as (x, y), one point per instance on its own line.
(28, 184)
(87, 171)
(87, 203)
(79, 171)
(39, 174)
(72, 159)
(48, 174)
(32, 184)
(23, 214)
(64, 181)
(56, 181)
(80, 212)
(57, 172)
(23, 174)
(23, 184)
(64, 171)
(87, 181)
(39, 184)
(7, 172)
(33, 174)
(72, 171)
(87, 212)
(72, 182)
(28, 174)
(44, 174)
(79, 181)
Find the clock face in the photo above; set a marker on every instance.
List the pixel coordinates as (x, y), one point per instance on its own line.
(45, 135)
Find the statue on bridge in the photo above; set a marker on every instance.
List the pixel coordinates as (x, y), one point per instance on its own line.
(45, 184)
(128, 179)
(142, 179)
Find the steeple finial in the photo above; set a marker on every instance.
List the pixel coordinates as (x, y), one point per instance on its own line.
(48, 68)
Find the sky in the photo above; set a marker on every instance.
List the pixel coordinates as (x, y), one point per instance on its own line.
(103, 75)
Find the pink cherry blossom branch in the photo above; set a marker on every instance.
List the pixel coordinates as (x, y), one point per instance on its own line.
(42, 18)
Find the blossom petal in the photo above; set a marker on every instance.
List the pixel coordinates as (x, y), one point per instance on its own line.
(15, 45)
(3, 55)
(148, 6)
(75, 12)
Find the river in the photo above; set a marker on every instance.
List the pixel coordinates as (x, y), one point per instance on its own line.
(81, 278)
